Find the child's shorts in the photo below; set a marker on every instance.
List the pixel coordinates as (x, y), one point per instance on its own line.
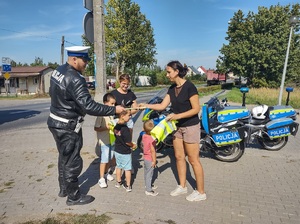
(124, 161)
(107, 153)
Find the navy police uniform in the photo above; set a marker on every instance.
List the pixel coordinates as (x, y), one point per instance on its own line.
(70, 102)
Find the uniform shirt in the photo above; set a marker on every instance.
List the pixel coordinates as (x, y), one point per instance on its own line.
(181, 103)
(147, 141)
(123, 136)
(103, 136)
(123, 99)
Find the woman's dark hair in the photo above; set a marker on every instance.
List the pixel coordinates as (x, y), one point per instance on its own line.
(177, 65)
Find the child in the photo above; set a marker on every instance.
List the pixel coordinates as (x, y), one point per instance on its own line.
(149, 157)
(123, 147)
(102, 127)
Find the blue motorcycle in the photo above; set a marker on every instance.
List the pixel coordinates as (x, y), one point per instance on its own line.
(222, 129)
(271, 126)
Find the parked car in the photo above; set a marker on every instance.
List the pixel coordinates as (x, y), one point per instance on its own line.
(91, 85)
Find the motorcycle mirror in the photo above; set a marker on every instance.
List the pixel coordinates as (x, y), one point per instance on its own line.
(244, 90)
(289, 89)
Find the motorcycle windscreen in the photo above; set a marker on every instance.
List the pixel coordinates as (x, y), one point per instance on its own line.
(226, 138)
(279, 132)
(205, 119)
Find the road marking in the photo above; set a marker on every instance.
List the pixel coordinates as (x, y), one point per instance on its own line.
(19, 112)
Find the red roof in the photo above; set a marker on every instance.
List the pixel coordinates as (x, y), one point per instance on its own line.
(25, 71)
(28, 69)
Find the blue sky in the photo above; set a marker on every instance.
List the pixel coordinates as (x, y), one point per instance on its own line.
(191, 31)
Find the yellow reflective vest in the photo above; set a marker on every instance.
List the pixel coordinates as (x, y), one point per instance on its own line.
(163, 129)
(112, 137)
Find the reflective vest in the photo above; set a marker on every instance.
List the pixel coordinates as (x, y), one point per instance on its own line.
(112, 137)
(163, 129)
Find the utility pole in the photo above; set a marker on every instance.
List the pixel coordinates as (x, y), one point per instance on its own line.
(62, 49)
(293, 22)
(99, 48)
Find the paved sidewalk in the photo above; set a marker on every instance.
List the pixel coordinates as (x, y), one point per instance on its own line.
(262, 187)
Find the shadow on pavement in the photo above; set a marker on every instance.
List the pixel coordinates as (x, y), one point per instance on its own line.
(90, 176)
(12, 115)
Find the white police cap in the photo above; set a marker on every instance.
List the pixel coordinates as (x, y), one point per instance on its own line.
(78, 51)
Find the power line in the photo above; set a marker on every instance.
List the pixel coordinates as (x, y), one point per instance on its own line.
(30, 34)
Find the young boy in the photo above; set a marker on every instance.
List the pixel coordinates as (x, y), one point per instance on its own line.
(149, 151)
(102, 127)
(123, 150)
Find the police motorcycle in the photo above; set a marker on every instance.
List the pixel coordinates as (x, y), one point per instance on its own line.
(157, 117)
(271, 126)
(222, 129)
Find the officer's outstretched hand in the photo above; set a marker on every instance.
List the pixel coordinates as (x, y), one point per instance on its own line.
(119, 109)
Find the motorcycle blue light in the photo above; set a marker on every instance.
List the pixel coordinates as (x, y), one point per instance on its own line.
(244, 90)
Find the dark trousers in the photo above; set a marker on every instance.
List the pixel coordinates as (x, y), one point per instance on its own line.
(69, 144)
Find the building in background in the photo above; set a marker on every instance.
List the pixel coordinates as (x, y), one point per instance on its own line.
(27, 80)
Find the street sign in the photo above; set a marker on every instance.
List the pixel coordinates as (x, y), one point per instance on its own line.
(6, 68)
(88, 4)
(88, 26)
(6, 60)
(6, 75)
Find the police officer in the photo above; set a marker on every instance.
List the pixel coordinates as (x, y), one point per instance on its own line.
(70, 102)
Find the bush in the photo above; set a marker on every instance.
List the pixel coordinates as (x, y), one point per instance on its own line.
(162, 78)
(209, 89)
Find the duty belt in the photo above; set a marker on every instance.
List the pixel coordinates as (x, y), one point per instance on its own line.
(59, 118)
(75, 124)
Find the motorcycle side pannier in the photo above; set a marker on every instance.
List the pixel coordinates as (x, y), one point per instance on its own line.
(281, 111)
(232, 113)
(281, 127)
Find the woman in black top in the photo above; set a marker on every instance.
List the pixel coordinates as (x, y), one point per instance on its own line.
(183, 96)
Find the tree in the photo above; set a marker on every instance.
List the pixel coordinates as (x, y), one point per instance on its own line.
(151, 72)
(38, 62)
(129, 37)
(53, 65)
(13, 63)
(257, 45)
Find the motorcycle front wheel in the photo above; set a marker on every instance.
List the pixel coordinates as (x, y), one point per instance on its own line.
(230, 153)
(273, 144)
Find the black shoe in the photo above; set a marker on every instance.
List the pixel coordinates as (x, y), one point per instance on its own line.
(62, 193)
(84, 199)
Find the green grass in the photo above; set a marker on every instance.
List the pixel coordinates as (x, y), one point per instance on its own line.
(264, 96)
(23, 97)
(72, 219)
